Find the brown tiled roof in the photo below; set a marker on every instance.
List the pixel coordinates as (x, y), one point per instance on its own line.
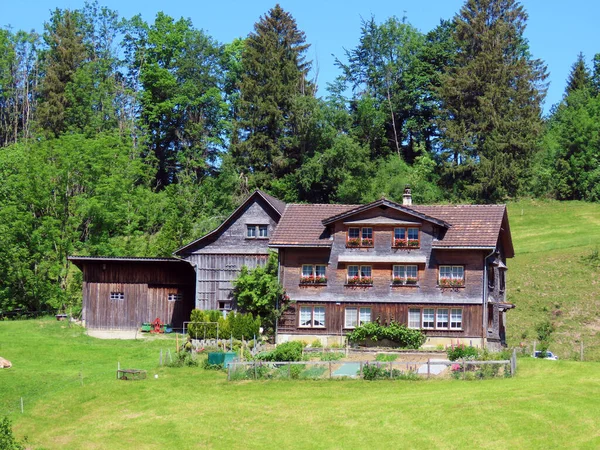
(301, 225)
(470, 225)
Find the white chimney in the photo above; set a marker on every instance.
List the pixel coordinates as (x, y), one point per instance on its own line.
(407, 197)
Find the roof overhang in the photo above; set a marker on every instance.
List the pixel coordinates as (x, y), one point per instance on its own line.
(389, 204)
(462, 247)
(80, 260)
(506, 306)
(382, 221)
(275, 245)
(399, 259)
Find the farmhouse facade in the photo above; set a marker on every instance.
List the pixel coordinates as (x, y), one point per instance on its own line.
(438, 268)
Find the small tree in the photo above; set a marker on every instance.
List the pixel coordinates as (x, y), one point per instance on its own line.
(258, 292)
(7, 439)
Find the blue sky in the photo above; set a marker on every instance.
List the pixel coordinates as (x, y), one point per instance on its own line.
(557, 31)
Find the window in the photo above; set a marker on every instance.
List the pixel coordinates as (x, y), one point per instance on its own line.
(263, 231)
(435, 318)
(225, 306)
(173, 297)
(359, 275)
(502, 280)
(441, 321)
(455, 319)
(254, 231)
(428, 318)
(313, 274)
(491, 276)
(414, 318)
(406, 237)
(360, 237)
(356, 316)
(402, 275)
(312, 316)
(117, 296)
(452, 276)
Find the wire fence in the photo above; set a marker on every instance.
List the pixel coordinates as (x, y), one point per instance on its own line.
(371, 370)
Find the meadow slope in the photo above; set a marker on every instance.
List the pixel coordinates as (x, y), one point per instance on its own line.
(548, 278)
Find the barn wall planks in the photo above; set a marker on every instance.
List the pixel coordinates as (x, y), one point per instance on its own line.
(145, 287)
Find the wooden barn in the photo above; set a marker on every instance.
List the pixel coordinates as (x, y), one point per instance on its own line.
(122, 293)
(241, 240)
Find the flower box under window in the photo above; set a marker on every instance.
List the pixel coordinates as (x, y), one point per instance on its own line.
(360, 281)
(313, 280)
(451, 282)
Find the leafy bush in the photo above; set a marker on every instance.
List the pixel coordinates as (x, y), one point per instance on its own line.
(316, 344)
(288, 351)
(395, 332)
(236, 325)
(7, 439)
(183, 359)
(386, 357)
(331, 356)
(375, 372)
(461, 351)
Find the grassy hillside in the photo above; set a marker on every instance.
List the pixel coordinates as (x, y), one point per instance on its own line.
(193, 408)
(548, 278)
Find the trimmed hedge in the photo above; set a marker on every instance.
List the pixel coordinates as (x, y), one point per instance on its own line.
(400, 334)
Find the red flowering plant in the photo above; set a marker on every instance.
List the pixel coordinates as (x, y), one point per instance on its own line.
(411, 280)
(451, 282)
(312, 279)
(353, 242)
(400, 243)
(398, 281)
(367, 242)
(360, 281)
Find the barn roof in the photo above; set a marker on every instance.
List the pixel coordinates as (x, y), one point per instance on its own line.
(277, 205)
(79, 260)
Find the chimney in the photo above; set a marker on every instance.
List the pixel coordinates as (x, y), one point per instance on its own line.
(407, 197)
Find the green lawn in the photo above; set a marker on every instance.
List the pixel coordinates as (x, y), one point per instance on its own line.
(549, 404)
(548, 279)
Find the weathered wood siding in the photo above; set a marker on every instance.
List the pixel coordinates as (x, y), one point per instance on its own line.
(385, 312)
(219, 258)
(145, 286)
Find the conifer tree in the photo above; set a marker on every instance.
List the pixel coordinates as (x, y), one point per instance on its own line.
(492, 97)
(580, 77)
(273, 83)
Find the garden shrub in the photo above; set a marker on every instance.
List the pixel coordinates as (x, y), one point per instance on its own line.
(236, 325)
(316, 344)
(461, 351)
(183, 358)
(400, 334)
(331, 356)
(375, 372)
(7, 439)
(288, 351)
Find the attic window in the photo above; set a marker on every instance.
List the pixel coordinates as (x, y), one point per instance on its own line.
(406, 238)
(257, 231)
(117, 296)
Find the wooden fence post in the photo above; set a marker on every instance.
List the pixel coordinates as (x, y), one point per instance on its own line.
(229, 372)
(464, 368)
(330, 370)
(428, 368)
(361, 369)
(391, 369)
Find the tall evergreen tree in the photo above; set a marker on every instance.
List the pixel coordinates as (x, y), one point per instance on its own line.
(580, 77)
(269, 140)
(492, 98)
(66, 52)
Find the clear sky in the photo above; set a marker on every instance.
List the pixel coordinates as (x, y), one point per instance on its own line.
(557, 30)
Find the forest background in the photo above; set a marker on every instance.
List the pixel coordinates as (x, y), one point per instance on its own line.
(120, 136)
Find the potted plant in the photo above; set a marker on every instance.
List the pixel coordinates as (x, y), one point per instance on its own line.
(354, 242)
(413, 243)
(397, 281)
(411, 280)
(400, 243)
(367, 242)
(366, 280)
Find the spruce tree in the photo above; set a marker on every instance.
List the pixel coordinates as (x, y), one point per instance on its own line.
(271, 110)
(580, 77)
(492, 97)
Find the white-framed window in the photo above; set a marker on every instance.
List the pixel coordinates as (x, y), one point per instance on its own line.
(456, 319)
(263, 231)
(360, 275)
(360, 237)
(117, 296)
(428, 318)
(402, 274)
(314, 273)
(312, 316)
(406, 237)
(414, 318)
(251, 231)
(354, 317)
(174, 297)
(452, 276)
(441, 318)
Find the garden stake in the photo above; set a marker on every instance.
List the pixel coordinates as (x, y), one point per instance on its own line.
(21, 405)
(428, 368)
(391, 369)
(330, 369)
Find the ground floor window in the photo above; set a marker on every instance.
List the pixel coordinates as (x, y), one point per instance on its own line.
(435, 318)
(356, 316)
(117, 296)
(312, 316)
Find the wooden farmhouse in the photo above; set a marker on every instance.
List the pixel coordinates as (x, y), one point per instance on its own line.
(441, 269)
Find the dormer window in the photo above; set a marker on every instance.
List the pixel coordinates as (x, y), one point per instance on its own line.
(360, 237)
(406, 238)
